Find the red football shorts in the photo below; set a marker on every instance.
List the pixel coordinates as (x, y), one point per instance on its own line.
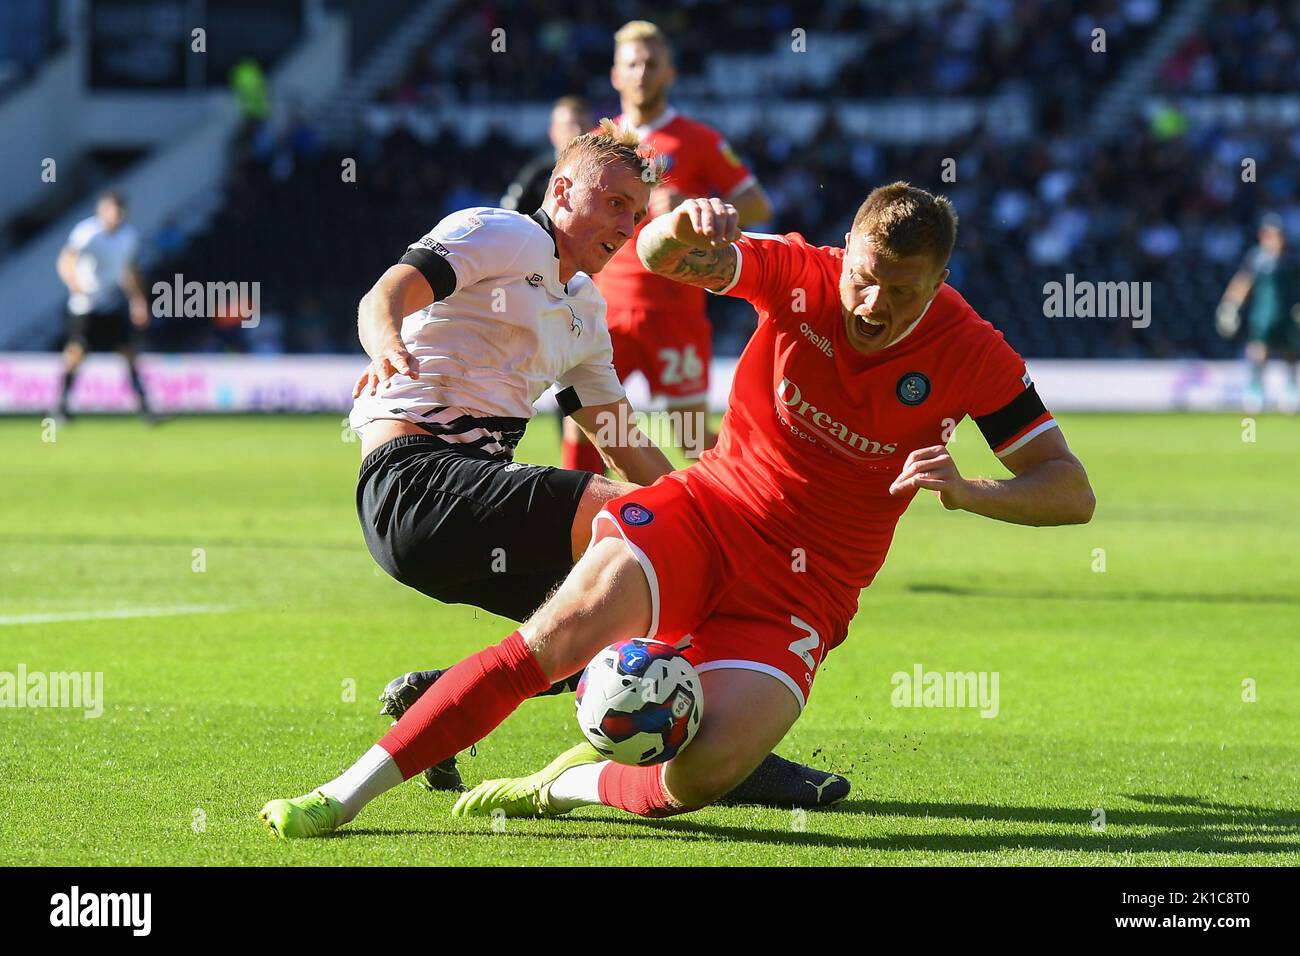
(736, 598)
(671, 349)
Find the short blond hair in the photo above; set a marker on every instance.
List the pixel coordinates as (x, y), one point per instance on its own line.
(610, 143)
(903, 220)
(641, 31)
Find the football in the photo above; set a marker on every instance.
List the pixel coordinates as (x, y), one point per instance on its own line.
(639, 702)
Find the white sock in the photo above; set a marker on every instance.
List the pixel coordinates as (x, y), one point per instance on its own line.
(366, 779)
(578, 787)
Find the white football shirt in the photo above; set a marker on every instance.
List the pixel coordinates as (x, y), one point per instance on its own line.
(102, 260)
(503, 330)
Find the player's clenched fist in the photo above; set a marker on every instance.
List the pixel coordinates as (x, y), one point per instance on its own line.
(706, 223)
(931, 468)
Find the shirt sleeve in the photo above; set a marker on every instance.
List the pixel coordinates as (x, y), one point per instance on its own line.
(1006, 406)
(594, 382)
(81, 234)
(767, 268)
(722, 169)
(464, 248)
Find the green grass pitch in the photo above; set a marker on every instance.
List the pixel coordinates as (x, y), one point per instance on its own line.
(1123, 691)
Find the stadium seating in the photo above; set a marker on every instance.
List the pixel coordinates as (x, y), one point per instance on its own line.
(1242, 47)
(1168, 208)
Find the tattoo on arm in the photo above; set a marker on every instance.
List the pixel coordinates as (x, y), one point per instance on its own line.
(708, 268)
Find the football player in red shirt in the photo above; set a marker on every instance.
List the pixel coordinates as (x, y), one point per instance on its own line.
(659, 327)
(863, 359)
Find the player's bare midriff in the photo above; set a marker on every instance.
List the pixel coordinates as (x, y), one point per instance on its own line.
(383, 430)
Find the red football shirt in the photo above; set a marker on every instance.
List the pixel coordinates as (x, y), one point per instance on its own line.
(698, 163)
(816, 431)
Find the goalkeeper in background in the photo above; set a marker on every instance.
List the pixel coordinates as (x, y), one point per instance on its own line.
(1269, 275)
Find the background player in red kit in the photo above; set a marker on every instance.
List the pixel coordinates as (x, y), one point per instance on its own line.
(836, 419)
(657, 326)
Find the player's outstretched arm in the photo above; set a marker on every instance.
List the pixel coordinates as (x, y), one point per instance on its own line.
(401, 290)
(629, 451)
(1050, 486)
(693, 244)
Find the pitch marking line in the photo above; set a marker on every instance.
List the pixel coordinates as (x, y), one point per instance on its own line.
(157, 610)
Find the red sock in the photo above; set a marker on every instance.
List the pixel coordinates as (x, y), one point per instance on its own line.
(581, 456)
(638, 790)
(464, 705)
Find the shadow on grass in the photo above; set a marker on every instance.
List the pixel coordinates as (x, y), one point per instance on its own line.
(515, 828)
(1167, 597)
(1185, 824)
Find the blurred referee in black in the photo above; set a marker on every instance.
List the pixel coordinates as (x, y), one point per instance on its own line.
(570, 116)
(97, 265)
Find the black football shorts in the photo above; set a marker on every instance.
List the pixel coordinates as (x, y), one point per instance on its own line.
(101, 331)
(466, 528)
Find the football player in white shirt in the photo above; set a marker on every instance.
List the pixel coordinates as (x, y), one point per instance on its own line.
(478, 319)
(98, 265)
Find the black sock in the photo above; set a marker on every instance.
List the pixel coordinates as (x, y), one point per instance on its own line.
(69, 376)
(139, 388)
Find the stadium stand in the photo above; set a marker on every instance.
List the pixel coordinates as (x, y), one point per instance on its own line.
(1243, 46)
(1036, 196)
(29, 33)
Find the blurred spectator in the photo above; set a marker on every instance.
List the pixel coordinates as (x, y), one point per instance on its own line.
(1165, 204)
(570, 116)
(249, 87)
(1243, 46)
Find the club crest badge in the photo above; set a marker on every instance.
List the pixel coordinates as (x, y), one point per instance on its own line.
(635, 515)
(913, 388)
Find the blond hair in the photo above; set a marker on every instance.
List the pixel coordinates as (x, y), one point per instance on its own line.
(586, 155)
(904, 220)
(640, 31)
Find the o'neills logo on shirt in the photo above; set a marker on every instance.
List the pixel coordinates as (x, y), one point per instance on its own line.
(822, 342)
(822, 424)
